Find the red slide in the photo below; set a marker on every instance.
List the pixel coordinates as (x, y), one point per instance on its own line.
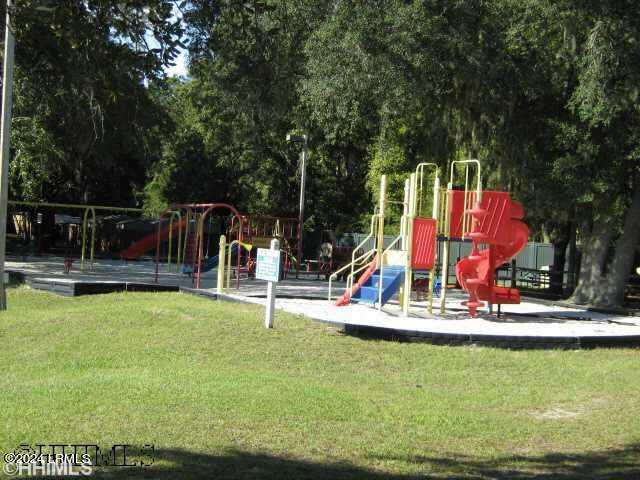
(149, 242)
(346, 297)
(500, 227)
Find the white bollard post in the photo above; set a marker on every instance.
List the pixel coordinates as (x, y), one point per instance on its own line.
(271, 292)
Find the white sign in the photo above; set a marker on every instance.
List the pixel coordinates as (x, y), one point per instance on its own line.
(268, 267)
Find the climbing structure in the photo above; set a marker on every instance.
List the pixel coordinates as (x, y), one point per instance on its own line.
(382, 271)
(260, 230)
(463, 213)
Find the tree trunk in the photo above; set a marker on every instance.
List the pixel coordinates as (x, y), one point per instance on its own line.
(556, 275)
(81, 180)
(572, 264)
(594, 256)
(613, 289)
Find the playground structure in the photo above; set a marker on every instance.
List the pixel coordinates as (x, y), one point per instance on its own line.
(185, 237)
(488, 218)
(429, 213)
(242, 235)
(24, 226)
(184, 232)
(191, 228)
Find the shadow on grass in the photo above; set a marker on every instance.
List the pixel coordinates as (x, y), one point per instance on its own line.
(620, 464)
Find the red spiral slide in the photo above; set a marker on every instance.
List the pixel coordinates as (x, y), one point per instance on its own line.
(498, 224)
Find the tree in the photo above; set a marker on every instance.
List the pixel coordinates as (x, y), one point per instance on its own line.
(606, 100)
(239, 104)
(84, 120)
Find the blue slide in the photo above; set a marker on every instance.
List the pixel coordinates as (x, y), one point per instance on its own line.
(209, 263)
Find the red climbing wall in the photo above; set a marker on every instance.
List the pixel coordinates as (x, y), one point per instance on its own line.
(423, 243)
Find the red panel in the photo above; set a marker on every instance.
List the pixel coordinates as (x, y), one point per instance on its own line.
(456, 203)
(423, 243)
(499, 210)
(495, 224)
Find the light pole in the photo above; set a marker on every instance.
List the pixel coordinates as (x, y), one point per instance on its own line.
(5, 136)
(303, 179)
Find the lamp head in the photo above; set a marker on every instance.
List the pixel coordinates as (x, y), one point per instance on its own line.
(296, 138)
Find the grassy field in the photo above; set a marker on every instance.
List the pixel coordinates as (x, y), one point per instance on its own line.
(221, 397)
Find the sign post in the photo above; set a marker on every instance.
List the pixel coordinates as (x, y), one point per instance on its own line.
(268, 268)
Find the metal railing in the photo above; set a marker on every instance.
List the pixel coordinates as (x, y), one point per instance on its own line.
(365, 264)
(361, 258)
(351, 265)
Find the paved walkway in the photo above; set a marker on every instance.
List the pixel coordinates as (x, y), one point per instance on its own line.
(308, 297)
(45, 268)
(105, 270)
(529, 319)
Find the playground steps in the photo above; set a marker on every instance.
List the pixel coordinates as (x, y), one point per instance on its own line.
(393, 277)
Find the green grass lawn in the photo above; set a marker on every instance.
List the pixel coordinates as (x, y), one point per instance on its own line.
(221, 397)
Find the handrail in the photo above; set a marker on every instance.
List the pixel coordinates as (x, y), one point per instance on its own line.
(352, 276)
(375, 232)
(361, 258)
(366, 239)
(467, 224)
(349, 265)
(229, 246)
(420, 174)
(473, 161)
(372, 233)
(228, 272)
(399, 237)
